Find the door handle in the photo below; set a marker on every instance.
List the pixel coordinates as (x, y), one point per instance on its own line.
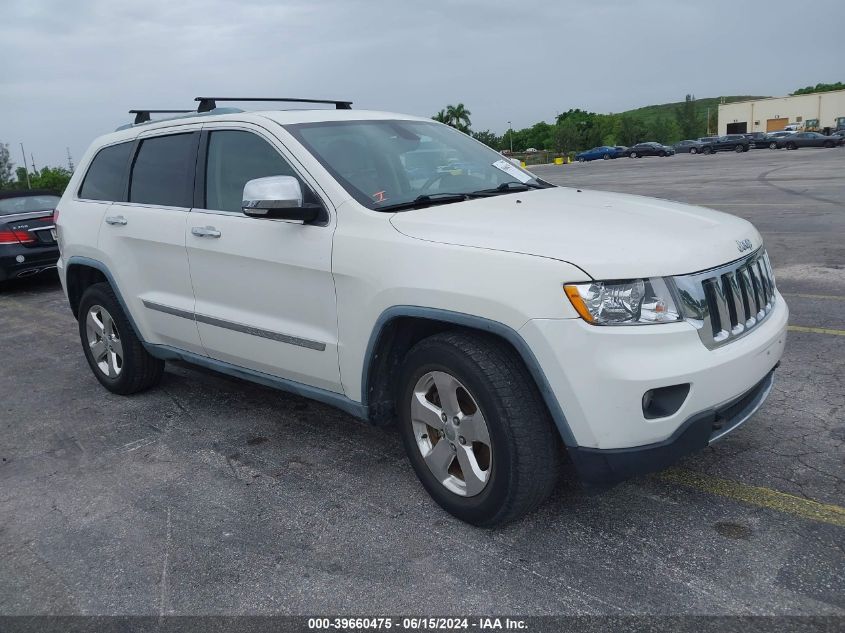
(116, 220)
(205, 231)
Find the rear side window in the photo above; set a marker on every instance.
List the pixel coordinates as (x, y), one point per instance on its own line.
(163, 173)
(106, 177)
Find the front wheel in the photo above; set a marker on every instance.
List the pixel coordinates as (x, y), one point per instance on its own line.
(693, 150)
(633, 155)
(662, 154)
(791, 146)
(773, 145)
(608, 157)
(475, 428)
(582, 159)
(828, 144)
(739, 148)
(113, 351)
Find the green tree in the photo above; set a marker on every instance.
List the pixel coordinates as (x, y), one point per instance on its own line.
(6, 166)
(820, 88)
(567, 136)
(458, 117)
(688, 119)
(663, 130)
(53, 178)
(631, 130)
(488, 138)
(441, 117)
(22, 181)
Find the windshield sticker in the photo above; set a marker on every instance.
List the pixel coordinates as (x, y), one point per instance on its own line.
(512, 170)
(379, 196)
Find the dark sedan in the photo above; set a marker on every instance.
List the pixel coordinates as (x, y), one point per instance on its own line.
(808, 139)
(649, 149)
(692, 146)
(728, 143)
(759, 140)
(27, 246)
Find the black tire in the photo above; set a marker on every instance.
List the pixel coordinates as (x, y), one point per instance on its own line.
(707, 151)
(773, 145)
(739, 148)
(662, 154)
(524, 444)
(791, 146)
(828, 144)
(693, 150)
(139, 370)
(633, 155)
(608, 157)
(582, 160)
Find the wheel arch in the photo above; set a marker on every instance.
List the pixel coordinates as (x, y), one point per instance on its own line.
(400, 327)
(83, 272)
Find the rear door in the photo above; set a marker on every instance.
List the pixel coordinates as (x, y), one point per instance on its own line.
(143, 237)
(265, 295)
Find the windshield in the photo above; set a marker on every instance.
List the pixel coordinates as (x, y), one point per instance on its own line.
(384, 164)
(27, 204)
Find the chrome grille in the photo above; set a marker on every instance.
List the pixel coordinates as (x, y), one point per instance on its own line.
(725, 303)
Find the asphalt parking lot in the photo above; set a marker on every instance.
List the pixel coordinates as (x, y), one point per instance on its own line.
(210, 495)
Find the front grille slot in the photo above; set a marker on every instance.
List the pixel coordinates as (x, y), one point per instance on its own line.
(724, 303)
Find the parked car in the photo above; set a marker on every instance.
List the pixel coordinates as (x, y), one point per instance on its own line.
(772, 137)
(808, 139)
(27, 246)
(730, 143)
(693, 146)
(758, 140)
(621, 150)
(649, 149)
(512, 322)
(605, 152)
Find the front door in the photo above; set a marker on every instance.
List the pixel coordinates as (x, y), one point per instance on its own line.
(265, 296)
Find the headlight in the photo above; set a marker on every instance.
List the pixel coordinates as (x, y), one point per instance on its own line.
(631, 302)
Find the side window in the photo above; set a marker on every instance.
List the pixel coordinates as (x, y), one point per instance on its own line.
(235, 157)
(106, 177)
(163, 173)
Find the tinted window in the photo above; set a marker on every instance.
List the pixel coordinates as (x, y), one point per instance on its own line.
(106, 177)
(163, 173)
(234, 158)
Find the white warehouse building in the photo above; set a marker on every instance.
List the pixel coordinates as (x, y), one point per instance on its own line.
(822, 111)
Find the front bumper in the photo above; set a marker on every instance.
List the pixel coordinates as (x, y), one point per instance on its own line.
(599, 374)
(36, 259)
(599, 467)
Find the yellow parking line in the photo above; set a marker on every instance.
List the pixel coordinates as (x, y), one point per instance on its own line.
(806, 296)
(815, 330)
(758, 496)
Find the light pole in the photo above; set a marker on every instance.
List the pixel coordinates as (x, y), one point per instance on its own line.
(510, 135)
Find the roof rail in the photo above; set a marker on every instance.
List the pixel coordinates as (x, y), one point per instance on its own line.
(142, 116)
(209, 103)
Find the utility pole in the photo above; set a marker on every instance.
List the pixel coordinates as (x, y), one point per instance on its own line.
(510, 135)
(23, 153)
(32, 158)
(69, 161)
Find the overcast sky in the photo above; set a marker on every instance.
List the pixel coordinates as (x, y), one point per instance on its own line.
(73, 68)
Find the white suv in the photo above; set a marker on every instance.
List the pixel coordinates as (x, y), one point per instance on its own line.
(399, 270)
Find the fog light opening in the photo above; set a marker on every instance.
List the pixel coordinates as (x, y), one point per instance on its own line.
(664, 401)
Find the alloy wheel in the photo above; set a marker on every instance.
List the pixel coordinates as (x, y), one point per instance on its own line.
(451, 433)
(104, 341)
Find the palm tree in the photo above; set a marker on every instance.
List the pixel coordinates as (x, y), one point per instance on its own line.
(441, 117)
(458, 117)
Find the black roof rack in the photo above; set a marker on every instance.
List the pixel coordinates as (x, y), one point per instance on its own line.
(209, 103)
(142, 116)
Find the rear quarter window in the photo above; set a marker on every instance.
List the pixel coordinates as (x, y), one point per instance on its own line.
(106, 176)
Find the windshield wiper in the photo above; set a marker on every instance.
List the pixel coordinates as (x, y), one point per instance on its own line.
(427, 200)
(508, 187)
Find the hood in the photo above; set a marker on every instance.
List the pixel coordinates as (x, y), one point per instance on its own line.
(607, 235)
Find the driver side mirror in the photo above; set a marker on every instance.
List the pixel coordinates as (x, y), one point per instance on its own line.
(278, 198)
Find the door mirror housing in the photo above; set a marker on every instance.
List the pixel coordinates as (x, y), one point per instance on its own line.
(278, 198)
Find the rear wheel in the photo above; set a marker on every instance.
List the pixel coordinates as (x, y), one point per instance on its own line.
(582, 159)
(828, 144)
(113, 351)
(773, 145)
(791, 146)
(475, 428)
(607, 156)
(662, 154)
(739, 148)
(693, 150)
(633, 155)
